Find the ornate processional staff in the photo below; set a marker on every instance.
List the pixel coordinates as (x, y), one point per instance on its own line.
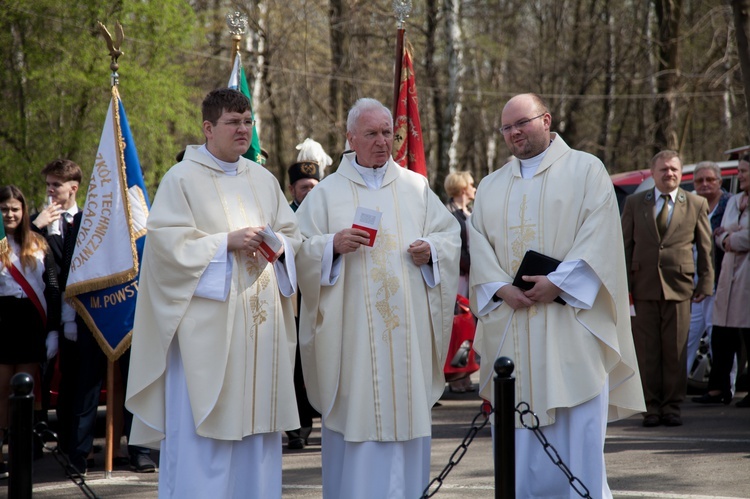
(237, 24)
(402, 9)
(114, 53)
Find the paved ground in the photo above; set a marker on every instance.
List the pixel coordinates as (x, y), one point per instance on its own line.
(707, 457)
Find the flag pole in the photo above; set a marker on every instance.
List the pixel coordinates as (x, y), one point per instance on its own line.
(401, 8)
(115, 53)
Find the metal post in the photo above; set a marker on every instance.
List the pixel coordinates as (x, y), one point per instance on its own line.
(505, 440)
(21, 438)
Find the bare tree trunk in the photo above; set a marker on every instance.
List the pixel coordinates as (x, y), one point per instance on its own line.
(456, 86)
(452, 36)
(741, 10)
(608, 103)
(339, 45)
(668, 13)
(432, 13)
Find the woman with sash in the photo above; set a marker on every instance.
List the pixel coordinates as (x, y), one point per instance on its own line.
(29, 300)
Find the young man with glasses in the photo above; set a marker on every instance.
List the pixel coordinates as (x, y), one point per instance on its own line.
(212, 359)
(575, 362)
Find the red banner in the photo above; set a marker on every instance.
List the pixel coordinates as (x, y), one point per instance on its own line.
(408, 145)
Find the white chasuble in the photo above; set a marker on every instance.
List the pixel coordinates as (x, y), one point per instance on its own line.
(562, 354)
(238, 354)
(373, 344)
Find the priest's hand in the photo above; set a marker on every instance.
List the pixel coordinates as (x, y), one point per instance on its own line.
(514, 297)
(420, 252)
(348, 240)
(543, 291)
(247, 239)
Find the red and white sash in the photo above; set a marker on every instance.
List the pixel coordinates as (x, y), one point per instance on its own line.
(33, 293)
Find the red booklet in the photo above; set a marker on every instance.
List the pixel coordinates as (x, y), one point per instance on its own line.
(270, 245)
(367, 220)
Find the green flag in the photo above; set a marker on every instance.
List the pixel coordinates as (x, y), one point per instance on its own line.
(3, 240)
(237, 81)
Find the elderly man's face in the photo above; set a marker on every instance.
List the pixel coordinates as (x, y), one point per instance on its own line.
(707, 183)
(667, 174)
(372, 138)
(526, 128)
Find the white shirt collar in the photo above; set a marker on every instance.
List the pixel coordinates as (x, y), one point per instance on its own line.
(529, 166)
(229, 168)
(672, 195)
(373, 177)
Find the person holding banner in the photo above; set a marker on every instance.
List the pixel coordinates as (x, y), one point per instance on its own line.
(212, 356)
(55, 222)
(29, 300)
(378, 279)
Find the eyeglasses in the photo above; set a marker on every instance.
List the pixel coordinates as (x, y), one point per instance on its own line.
(705, 180)
(518, 125)
(236, 123)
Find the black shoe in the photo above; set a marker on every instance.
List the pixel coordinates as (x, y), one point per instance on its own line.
(295, 443)
(141, 463)
(651, 420)
(297, 439)
(745, 402)
(76, 472)
(721, 398)
(3, 471)
(671, 420)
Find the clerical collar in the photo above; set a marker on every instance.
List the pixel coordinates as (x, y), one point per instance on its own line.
(373, 177)
(370, 167)
(529, 166)
(229, 168)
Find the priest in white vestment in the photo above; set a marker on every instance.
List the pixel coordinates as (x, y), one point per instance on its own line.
(211, 368)
(575, 364)
(376, 320)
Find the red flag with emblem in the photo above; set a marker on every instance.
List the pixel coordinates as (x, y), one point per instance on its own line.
(408, 146)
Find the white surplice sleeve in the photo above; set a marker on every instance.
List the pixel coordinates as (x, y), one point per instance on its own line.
(216, 279)
(286, 271)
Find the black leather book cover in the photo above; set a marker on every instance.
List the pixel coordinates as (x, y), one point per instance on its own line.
(535, 263)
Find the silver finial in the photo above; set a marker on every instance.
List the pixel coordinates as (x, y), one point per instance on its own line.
(401, 8)
(237, 23)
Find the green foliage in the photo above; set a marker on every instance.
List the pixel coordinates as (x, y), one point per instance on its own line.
(55, 84)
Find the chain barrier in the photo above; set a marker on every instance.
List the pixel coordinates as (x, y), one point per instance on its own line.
(576, 484)
(523, 411)
(44, 434)
(458, 454)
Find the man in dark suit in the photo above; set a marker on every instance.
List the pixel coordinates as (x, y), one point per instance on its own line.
(55, 222)
(304, 175)
(660, 227)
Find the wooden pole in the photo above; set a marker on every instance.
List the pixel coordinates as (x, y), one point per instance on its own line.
(397, 69)
(236, 40)
(109, 447)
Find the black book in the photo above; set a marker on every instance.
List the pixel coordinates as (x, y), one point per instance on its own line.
(535, 263)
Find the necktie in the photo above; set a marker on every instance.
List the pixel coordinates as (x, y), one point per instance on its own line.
(67, 224)
(663, 216)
